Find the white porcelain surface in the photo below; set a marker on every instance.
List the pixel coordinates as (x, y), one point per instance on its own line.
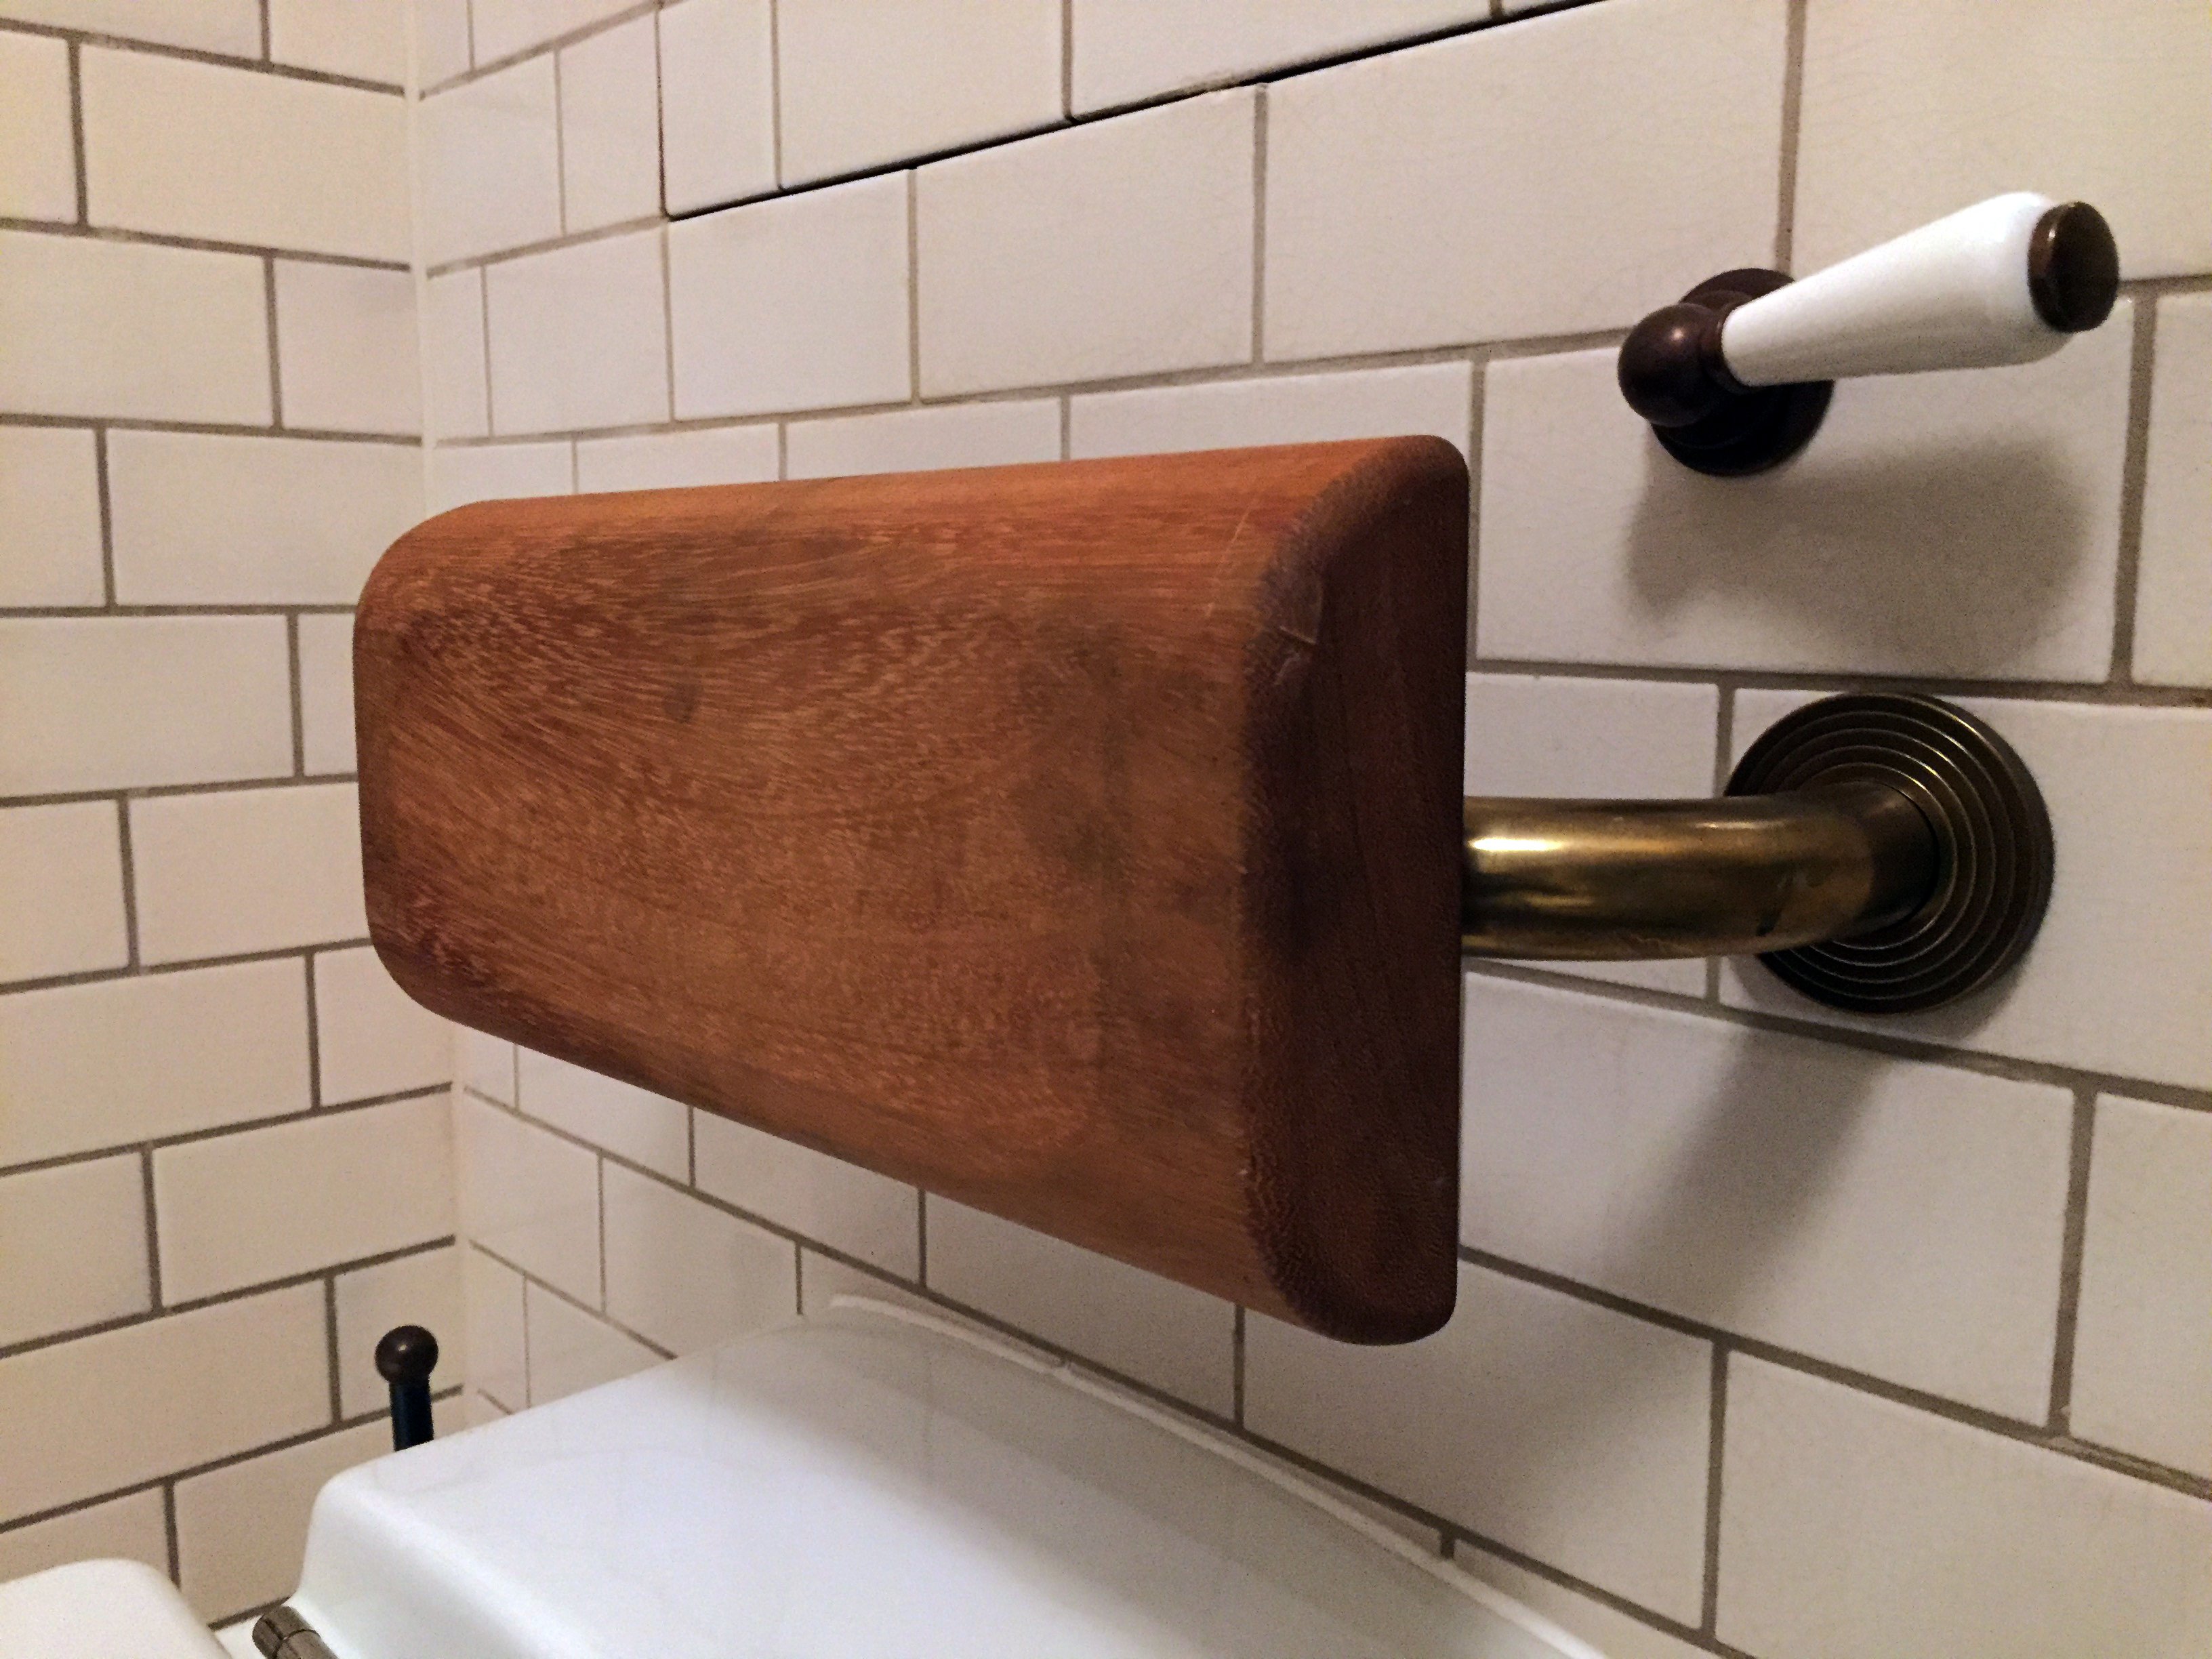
(2143, 1363)
(131, 331)
(1615, 1634)
(1853, 1525)
(346, 348)
(924, 439)
(717, 103)
(118, 1061)
(630, 1121)
(83, 1225)
(127, 1380)
(800, 303)
(1900, 1220)
(231, 27)
(2118, 980)
(1128, 49)
(861, 86)
(1560, 184)
(241, 1530)
(36, 135)
(686, 1275)
(1120, 248)
(61, 891)
(326, 692)
(492, 1294)
(672, 461)
(1162, 1334)
(458, 384)
(488, 154)
(486, 472)
(371, 1038)
(1284, 409)
(49, 516)
(202, 150)
(246, 870)
(503, 27)
(610, 126)
(124, 1528)
(570, 1351)
(224, 520)
(365, 39)
(1977, 514)
(530, 1198)
(579, 337)
(423, 1289)
(2174, 583)
(1909, 112)
(100, 1607)
(265, 1204)
(847, 1207)
(1558, 1428)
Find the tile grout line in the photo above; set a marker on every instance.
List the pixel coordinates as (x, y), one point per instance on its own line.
(560, 156)
(333, 1361)
(2135, 472)
(266, 56)
(133, 961)
(1715, 1431)
(484, 318)
(106, 514)
(1236, 1367)
(2072, 1247)
(76, 131)
(1259, 223)
(72, 230)
(262, 65)
(314, 1035)
(1477, 390)
(299, 702)
(155, 1305)
(168, 1489)
(1793, 103)
(913, 286)
(776, 95)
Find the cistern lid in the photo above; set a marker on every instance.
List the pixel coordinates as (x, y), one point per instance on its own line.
(870, 1481)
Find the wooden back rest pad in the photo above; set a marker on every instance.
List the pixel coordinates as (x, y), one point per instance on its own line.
(1077, 841)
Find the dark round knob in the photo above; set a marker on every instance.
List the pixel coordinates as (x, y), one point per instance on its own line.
(2073, 268)
(1665, 371)
(407, 1353)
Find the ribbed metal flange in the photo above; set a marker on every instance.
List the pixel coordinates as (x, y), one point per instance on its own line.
(1993, 877)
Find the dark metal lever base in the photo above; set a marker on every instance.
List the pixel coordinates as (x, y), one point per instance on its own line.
(1673, 374)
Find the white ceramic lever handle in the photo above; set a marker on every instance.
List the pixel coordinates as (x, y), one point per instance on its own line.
(2005, 281)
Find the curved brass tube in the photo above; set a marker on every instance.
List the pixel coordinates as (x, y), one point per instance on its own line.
(1611, 880)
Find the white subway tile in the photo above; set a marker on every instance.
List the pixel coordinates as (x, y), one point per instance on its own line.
(73, 1238)
(1175, 1339)
(229, 27)
(629, 1121)
(686, 1275)
(610, 126)
(530, 1198)
(838, 1204)
(491, 1296)
(1961, 525)
(674, 460)
(488, 156)
(487, 472)
(924, 439)
(717, 103)
(107, 702)
(477, 1410)
(49, 516)
(246, 870)
(442, 40)
(1904, 1220)
(579, 337)
(1853, 1525)
(1911, 112)
(243, 1209)
(504, 27)
(190, 148)
(36, 135)
(364, 39)
(859, 87)
(242, 1530)
(326, 692)
(1128, 49)
(486, 1064)
(2119, 978)
(130, 1529)
(371, 1038)
(201, 519)
(61, 891)
(1560, 184)
(1564, 1431)
(2142, 1347)
(570, 1351)
(1290, 409)
(425, 1290)
(458, 384)
(800, 303)
(1614, 1633)
(2173, 592)
(119, 1061)
(129, 330)
(346, 348)
(130, 1381)
(1610, 739)
(1122, 247)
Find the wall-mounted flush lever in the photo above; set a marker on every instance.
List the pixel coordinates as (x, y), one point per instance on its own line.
(405, 1357)
(1735, 377)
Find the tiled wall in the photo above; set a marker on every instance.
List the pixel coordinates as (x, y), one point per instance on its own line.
(225, 1140)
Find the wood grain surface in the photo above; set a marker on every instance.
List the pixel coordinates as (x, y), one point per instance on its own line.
(1079, 842)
